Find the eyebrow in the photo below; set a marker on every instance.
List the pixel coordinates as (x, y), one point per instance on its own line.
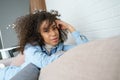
(46, 28)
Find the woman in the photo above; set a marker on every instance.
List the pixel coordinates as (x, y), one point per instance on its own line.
(41, 40)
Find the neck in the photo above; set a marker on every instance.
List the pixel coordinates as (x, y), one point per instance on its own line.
(49, 47)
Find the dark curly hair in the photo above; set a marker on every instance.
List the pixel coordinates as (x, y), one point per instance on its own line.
(27, 28)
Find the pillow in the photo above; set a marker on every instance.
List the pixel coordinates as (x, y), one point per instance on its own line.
(30, 72)
(96, 60)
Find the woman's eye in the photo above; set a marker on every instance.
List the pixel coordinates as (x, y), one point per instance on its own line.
(46, 30)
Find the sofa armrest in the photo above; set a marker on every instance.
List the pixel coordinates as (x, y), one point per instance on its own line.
(7, 61)
(16, 61)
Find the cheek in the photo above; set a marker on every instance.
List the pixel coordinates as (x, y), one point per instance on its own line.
(58, 33)
(42, 36)
(45, 37)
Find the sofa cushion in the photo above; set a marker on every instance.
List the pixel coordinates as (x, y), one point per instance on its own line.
(96, 60)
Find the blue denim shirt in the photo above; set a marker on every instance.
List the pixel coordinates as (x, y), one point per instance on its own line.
(40, 57)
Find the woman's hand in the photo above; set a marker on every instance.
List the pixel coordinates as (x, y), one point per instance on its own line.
(65, 26)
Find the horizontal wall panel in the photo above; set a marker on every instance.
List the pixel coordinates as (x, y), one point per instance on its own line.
(95, 18)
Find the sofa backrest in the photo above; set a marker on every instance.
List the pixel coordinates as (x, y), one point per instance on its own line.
(96, 60)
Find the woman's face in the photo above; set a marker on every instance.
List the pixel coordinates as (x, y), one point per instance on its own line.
(51, 34)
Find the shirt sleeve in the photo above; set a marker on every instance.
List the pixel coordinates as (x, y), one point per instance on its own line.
(37, 57)
(79, 38)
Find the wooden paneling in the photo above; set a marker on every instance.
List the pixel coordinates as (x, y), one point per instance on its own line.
(37, 5)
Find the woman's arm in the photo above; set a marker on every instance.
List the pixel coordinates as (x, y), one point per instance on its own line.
(63, 25)
(79, 38)
(34, 55)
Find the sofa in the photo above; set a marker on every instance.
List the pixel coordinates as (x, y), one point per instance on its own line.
(95, 60)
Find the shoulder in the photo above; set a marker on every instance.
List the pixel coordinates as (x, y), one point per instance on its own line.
(31, 48)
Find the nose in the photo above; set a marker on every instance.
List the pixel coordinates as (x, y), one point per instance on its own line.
(52, 33)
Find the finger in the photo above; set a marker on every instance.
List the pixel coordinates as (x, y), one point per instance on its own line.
(59, 24)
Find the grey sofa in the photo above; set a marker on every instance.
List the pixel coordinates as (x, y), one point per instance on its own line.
(95, 60)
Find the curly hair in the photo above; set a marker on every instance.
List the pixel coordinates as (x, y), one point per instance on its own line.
(27, 28)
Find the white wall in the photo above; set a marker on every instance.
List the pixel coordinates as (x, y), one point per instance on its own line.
(95, 18)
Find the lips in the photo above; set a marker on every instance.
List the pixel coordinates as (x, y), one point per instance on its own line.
(55, 39)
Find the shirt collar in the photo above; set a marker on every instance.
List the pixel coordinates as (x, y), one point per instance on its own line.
(59, 47)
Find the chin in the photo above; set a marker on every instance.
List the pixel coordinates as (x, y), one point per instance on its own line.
(55, 44)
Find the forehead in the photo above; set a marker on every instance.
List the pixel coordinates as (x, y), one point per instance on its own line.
(45, 24)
